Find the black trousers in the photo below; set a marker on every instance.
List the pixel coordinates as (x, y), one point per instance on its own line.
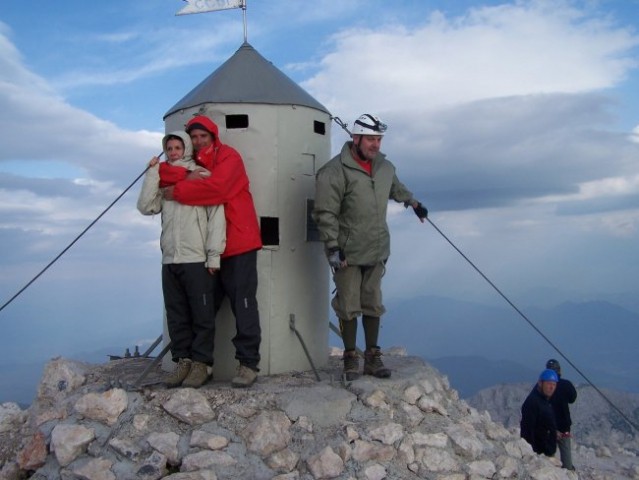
(188, 290)
(238, 281)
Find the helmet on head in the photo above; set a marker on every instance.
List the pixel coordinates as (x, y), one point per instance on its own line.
(369, 125)
(553, 365)
(548, 375)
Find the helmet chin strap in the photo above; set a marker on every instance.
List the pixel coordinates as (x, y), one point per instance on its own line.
(358, 150)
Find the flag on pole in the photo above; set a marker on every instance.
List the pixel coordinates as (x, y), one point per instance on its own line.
(202, 6)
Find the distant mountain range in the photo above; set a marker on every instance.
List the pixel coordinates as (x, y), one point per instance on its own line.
(477, 346)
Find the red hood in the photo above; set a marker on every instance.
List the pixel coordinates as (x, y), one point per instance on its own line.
(208, 124)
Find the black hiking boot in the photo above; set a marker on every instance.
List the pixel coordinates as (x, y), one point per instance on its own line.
(351, 365)
(373, 364)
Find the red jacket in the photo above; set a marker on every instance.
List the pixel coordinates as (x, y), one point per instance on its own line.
(227, 185)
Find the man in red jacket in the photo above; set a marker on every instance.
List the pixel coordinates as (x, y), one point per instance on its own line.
(228, 185)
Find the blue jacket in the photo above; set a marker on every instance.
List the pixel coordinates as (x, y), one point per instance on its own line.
(538, 425)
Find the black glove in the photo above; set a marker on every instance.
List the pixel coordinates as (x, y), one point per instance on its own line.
(421, 211)
(335, 258)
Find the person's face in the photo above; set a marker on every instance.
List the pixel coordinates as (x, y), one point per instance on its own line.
(369, 145)
(200, 138)
(548, 388)
(174, 149)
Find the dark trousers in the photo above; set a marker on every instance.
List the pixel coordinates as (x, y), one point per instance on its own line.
(188, 290)
(238, 281)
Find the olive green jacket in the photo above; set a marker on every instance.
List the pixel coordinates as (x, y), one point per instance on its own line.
(350, 206)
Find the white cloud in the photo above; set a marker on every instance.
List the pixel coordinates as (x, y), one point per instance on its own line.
(500, 122)
(39, 125)
(136, 57)
(518, 49)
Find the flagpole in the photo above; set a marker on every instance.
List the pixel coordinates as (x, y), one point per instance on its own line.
(244, 17)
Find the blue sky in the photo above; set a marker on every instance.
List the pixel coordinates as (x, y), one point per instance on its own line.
(516, 124)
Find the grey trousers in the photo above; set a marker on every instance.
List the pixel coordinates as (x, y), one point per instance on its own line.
(565, 452)
(359, 291)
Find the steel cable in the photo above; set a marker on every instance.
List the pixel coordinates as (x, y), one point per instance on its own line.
(521, 314)
(57, 257)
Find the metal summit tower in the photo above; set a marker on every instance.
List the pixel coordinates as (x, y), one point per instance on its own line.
(283, 135)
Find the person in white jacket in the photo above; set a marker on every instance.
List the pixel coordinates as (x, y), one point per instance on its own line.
(192, 240)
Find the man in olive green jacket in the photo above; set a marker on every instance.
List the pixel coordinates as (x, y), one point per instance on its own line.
(351, 199)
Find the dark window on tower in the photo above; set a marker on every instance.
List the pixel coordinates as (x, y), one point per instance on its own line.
(319, 127)
(237, 121)
(270, 228)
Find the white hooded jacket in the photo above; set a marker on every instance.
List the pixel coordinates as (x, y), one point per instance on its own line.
(189, 234)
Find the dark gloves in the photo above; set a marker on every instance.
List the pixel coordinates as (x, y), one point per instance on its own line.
(335, 258)
(420, 210)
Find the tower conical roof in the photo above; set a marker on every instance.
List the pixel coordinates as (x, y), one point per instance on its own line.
(247, 77)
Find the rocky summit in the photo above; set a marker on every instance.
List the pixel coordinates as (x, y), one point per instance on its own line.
(93, 422)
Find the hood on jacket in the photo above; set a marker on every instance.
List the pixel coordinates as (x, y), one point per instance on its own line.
(186, 140)
(204, 123)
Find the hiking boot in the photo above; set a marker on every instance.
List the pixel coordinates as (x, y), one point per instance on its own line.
(351, 365)
(245, 377)
(198, 375)
(181, 371)
(373, 364)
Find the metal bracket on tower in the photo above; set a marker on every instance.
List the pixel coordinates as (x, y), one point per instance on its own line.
(291, 324)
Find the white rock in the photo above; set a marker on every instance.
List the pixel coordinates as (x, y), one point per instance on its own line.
(11, 416)
(436, 460)
(268, 433)
(464, 438)
(377, 399)
(365, 451)
(283, 461)
(95, 469)
(189, 406)
(69, 441)
(166, 444)
(206, 459)
(375, 472)
(103, 407)
(412, 394)
(388, 434)
(199, 475)
(482, 468)
(325, 464)
(208, 440)
(439, 440)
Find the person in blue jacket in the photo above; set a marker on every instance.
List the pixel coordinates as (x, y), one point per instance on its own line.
(538, 426)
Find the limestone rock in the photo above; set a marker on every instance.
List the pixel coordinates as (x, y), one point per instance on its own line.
(206, 459)
(166, 444)
(11, 416)
(69, 441)
(190, 406)
(325, 464)
(284, 428)
(203, 439)
(104, 407)
(268, 433)
(60, 378)
(95, 469)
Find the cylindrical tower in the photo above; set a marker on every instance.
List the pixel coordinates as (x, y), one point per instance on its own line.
(283, 135)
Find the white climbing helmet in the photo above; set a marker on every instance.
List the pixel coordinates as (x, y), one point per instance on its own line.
(368, 124)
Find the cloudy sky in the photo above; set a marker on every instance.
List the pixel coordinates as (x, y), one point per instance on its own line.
(515, 123)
